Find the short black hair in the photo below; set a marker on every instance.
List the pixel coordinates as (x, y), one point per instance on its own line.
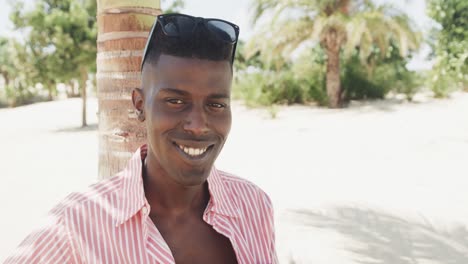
(201, 45)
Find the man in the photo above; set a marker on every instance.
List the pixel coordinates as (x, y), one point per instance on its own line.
(170, 205)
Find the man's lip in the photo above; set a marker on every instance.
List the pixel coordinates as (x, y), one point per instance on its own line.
(194, 143)
(195, 160)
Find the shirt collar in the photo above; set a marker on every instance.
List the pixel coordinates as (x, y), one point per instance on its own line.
(133, 193)
(132, 190)
(221, 195)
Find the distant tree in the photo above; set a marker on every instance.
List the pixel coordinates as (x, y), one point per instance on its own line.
(450, 45)
(337, 25)
(6, 64)
(61, 40)
(16, 71)
(172, 6)
(245, 60)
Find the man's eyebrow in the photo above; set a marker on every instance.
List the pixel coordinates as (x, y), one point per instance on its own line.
(219, 96)
(184, 93)
(173, 90)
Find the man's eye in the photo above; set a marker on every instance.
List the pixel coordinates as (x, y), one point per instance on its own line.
(217, 105)
(175, 101)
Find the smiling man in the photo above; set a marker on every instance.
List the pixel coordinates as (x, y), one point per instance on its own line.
(170, 205)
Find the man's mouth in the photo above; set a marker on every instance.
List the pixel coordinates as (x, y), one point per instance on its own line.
(193, 152)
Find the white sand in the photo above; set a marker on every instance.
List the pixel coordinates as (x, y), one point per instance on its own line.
(380, 182)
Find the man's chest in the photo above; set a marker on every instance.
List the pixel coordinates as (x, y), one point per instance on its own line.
(195, 241)
(139, 240)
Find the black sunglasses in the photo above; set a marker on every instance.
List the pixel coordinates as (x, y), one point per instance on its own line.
(183, 26)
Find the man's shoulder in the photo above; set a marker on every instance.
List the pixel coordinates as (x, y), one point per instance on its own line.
(244, 189)
(232, 178)
(98, 193)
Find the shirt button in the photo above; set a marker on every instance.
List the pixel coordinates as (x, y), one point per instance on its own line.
(145, 210)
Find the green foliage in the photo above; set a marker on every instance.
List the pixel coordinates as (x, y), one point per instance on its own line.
(244, 60)
(255, 88)
(172, 6)
(273, 111)
(299, 83)
(376, 79)
(18, 87)
(340, 28)
(450, 71)
(357, 85)
(303, 81)
(309, 71)
(357, 24)
(267, 88)
(60, 39)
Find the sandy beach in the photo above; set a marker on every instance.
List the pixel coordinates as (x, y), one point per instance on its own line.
(379, 182)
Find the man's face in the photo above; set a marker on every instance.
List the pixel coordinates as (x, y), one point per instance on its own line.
(188, 115)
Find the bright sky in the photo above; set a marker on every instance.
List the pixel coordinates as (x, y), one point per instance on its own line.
(238, 12)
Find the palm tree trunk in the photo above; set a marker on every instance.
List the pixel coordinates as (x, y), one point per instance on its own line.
(332, 47)
(123, 27)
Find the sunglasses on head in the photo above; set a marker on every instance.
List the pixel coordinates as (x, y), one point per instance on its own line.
(183, 26)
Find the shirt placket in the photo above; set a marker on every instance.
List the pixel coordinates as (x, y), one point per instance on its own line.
(227, 229)
(158, 249)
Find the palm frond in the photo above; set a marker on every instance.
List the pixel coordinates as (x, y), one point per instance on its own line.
(364, 26)
(284, 39)
(260, 7)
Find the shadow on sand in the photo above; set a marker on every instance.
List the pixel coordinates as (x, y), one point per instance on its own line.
(384, 105)
(385, 239)
(90, 127)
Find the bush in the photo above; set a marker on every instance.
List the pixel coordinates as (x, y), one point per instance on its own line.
(357, 84)
(304, 80)
(310, 72)
(298, 83)
(17, 94)
(449, 42)
(388, 74)
(442, 83)
(444, 79)
(265, 88)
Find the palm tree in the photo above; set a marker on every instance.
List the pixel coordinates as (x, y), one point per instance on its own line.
(123, 27)
(338, 26)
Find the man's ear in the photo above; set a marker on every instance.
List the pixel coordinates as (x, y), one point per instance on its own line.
(139, 103)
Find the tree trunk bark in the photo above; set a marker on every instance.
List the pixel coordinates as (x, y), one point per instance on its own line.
(123, 27)
(73, 89)
(344, 6)
(84, 79)
(50, 97)
(332, 47)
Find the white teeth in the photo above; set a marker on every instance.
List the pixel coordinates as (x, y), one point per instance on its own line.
(192, 151)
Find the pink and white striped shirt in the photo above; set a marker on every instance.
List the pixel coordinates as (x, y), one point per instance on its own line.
(110, 223)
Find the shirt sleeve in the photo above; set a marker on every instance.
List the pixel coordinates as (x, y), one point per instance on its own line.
(48, 244)
(271, 229)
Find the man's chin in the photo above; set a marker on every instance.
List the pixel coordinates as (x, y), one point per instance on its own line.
(193, 177)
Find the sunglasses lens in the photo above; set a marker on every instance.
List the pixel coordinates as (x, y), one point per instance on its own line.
(178, 26)
(224, 30)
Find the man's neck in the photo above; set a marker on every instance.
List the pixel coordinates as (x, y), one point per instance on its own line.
(169, 198)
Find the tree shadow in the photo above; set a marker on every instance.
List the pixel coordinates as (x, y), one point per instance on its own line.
(384, 105)
(382, 238)
(90, 127)
(3, 104)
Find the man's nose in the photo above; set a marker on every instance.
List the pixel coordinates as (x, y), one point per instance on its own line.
(196, 122)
